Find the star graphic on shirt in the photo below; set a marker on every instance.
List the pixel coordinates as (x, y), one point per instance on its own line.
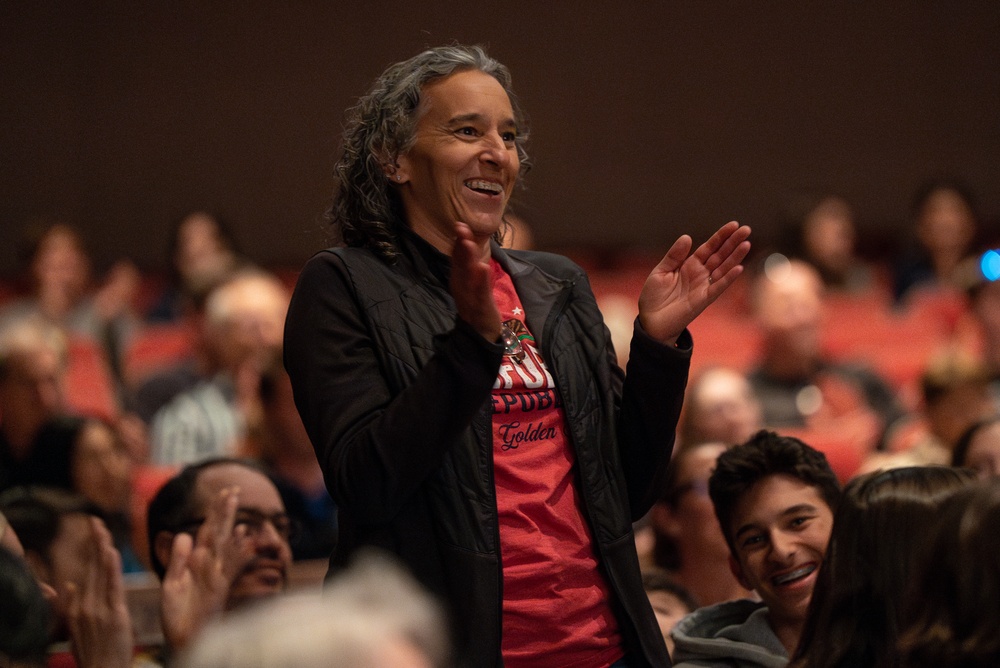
(517, 310)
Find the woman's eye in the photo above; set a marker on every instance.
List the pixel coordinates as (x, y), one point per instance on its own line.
(467, 131)
(510, 137)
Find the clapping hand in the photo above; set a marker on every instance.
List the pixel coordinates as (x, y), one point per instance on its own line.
(472, 285)
(202, 570)
(97, 615)
(683, 284)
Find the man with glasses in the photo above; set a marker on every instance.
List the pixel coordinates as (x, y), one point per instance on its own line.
(688, 540)
(219, 539)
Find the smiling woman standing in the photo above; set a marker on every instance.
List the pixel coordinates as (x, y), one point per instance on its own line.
(464, 400)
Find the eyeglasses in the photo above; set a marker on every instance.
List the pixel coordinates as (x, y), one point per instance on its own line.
(511, 344)
(253, 522)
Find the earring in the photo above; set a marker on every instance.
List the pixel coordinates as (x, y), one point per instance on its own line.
(398, 177)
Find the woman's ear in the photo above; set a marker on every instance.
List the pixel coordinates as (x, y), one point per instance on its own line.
(395, 171)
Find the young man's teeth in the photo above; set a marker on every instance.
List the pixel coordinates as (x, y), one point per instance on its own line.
(488, 186)
(794, 575)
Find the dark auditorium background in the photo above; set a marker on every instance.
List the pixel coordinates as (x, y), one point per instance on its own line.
(649, 119)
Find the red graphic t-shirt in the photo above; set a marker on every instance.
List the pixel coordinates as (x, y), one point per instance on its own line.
(556, 609)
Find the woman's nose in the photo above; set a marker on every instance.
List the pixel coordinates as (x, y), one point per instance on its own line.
(495, 150)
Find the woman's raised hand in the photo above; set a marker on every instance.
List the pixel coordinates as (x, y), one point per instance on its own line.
(683, 284)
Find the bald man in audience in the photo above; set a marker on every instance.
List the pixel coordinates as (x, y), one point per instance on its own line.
(798, 387)
(219, 540)
(243, 325)
(33, 428)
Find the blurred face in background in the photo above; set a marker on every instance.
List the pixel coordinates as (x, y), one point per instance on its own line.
(245, 319)
(202, 257)
(789, 308)
(669, 610)
(32, 390)
(101, 467)
(945, 224)
(60, 269)
(690, 519)
(65, 561)
(829, 235)
(722, 408)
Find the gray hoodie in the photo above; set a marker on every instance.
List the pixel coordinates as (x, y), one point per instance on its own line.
(734, 633)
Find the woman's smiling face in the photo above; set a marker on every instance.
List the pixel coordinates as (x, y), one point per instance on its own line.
(463, 163)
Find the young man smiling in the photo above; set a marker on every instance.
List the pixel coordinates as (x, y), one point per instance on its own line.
(774, 497)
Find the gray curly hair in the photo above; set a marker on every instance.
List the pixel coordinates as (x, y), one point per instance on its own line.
(366, 211)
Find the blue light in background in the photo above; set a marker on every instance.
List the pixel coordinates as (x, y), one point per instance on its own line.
(990, 264)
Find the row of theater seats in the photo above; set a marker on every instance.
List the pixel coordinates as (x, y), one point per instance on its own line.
(895, 343)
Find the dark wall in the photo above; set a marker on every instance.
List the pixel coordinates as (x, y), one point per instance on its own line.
(648, 119)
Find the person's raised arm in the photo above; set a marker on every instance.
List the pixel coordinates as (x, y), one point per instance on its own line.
(97, 615)
(201, 571)
(680, 287)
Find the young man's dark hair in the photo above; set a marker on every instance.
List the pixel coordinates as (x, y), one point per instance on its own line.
(766, 453)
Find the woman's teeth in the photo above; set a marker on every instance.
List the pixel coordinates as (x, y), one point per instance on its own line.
(488, 187)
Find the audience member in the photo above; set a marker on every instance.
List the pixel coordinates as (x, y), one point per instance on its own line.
(955, 394)
(821, 231)
(945, 225)
(951, 618)
(96, 614)
(287, 454)
(399, 355)
(203, 254)
(774, 497)
(798, 387)
(35, 434)
(876, 544)
(979, 448)
(719, 406)
(671, 601)
(689, 544)
(61, 291)
(372, 615)
(101, 471)
(54, 527)
(244, 320)
(219, 540)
